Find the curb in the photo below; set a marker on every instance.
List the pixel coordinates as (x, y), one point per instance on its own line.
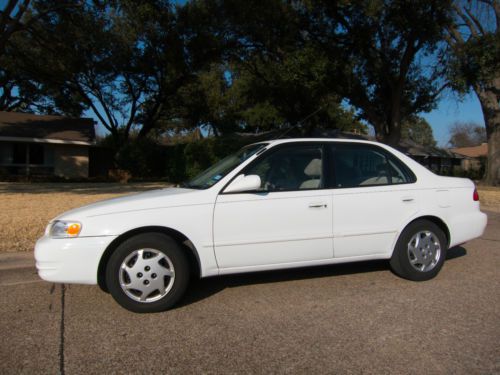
(19, 260)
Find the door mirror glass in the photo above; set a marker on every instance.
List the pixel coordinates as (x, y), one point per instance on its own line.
(243, 183)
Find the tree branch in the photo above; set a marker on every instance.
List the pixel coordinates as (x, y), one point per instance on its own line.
(474, 32)
(475, 20)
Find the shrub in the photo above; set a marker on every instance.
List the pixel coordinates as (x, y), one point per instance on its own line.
(145, 159)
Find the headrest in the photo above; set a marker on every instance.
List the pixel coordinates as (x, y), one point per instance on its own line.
(313, 169)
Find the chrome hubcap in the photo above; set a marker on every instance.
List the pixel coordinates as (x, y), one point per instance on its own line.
(424, 251)
(146, 275)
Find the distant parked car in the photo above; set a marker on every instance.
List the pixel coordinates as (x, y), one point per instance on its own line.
(272, 205)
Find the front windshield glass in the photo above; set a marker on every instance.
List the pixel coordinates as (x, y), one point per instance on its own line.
(217, 171)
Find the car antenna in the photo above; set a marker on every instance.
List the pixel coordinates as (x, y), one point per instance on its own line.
(299, 122)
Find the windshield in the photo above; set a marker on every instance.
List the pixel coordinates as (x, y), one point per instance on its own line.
(217, 171)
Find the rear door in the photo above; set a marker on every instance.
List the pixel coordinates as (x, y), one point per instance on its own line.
(374, 194)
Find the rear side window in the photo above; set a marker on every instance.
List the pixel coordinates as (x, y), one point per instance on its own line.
(360, 165)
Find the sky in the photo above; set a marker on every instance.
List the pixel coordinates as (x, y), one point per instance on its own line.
(451, 109)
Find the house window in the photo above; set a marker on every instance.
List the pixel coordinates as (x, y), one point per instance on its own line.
(21, 158)
(24, 153)
(5, 153)
(19, 153)
(36, 154)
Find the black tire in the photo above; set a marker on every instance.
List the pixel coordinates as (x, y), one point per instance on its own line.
(402, 257)
(154, 245)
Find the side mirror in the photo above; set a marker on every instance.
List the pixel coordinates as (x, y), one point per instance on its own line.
(244, 183)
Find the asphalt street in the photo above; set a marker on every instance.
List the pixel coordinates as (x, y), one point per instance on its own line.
(356, 318)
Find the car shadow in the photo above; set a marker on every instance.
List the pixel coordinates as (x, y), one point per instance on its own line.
(455, 252)
(201, 289)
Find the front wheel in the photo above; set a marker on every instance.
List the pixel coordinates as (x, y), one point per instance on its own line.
(147, 273)
(420, 251)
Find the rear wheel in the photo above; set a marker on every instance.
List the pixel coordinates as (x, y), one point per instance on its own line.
(420, 251)
(147, 273)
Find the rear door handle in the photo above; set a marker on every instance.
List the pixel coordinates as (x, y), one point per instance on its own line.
(318, 205)
(407, 199)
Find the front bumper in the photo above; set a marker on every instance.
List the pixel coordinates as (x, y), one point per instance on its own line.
(70, 260)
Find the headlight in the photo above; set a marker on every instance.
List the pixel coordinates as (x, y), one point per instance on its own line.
(60, 228)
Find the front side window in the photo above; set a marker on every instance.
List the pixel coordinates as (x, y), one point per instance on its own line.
(294, 167)
(358, 165)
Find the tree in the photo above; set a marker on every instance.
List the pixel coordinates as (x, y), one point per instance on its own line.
(418, 130)
(466, 134)
(383, 45)
(474, 64)
(123, 60)
(82, 59)
(211, 101)
(18, 16)
(17, 90)
(367, 52)
(278, 76)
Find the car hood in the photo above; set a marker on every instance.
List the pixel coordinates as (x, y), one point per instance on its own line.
(154, 199)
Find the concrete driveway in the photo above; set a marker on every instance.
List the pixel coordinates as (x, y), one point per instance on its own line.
(357, 318)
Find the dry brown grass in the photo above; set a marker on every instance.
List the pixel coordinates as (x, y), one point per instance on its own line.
(489, 198)
(25, 209)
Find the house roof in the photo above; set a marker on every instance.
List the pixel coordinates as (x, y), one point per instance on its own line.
(472, 152)
(413, 149)
(38, 128)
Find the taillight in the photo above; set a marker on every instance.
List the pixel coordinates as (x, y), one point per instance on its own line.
(475, 196)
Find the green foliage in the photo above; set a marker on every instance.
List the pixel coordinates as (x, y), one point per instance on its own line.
(146, 158)
(474, 53)
(201, 154)
(290, 59)
(158, 67)
(418, 130)
(474, 64)
(382, 45)
(123, 60)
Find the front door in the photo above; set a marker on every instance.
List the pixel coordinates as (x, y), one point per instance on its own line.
(288, 220)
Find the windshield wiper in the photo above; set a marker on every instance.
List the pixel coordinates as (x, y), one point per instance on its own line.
(187, 185)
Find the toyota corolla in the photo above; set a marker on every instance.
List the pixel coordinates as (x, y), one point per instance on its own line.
(272, 205)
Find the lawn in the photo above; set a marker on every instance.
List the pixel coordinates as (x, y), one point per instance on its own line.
(27, 208)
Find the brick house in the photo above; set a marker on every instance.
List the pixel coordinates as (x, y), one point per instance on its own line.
(34, 145)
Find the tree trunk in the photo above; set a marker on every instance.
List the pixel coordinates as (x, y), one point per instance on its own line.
(491, 113)
(492, 176)
(393, 138)
(390, 133)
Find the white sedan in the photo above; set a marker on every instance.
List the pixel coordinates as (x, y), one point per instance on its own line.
(277, 204)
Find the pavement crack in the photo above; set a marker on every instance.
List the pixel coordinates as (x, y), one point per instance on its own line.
(61, 332)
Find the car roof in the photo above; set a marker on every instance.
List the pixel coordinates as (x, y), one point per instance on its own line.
(297, 140)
